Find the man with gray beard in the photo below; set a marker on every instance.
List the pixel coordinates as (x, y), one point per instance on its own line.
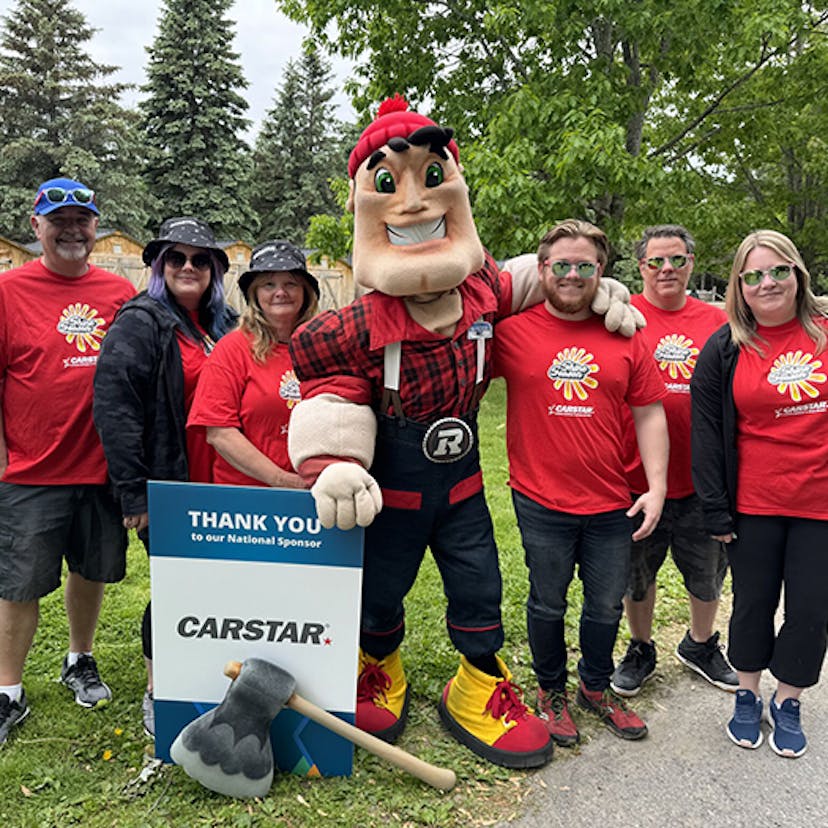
(55, 501)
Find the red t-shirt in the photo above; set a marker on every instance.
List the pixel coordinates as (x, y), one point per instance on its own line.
(675, 339)
(568, 383)
(235, 391)
(200, 454)
(51, 328)
(782, 419)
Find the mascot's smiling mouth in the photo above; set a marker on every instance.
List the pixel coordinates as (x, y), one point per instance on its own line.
(417, 233)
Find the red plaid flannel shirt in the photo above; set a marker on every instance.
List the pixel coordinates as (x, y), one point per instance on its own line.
(341, 352)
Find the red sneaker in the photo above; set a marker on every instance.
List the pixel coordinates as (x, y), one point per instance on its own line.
(553, 710)
(488, 716)
(613, 712)
(382, 696)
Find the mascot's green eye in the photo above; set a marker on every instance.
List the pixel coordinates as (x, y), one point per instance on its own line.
(384, 181)
(434, 175)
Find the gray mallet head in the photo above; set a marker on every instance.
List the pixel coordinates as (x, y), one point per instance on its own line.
(228, 749)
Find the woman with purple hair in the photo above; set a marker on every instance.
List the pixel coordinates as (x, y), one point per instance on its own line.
(146, 377)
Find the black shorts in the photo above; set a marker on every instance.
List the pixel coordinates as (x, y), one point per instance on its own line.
(701, 560)
(42, 525)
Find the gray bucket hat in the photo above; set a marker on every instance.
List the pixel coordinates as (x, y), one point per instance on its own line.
(184, 230)
(275, 255)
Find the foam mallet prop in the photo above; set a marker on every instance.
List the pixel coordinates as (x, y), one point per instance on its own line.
(442, 778)
(228, 749)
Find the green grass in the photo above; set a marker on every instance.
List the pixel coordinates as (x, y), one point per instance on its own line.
(68, 766)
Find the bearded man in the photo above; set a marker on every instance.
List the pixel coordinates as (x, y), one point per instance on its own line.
(569, 384)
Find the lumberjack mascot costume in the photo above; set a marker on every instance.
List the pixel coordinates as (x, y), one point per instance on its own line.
(387, 426)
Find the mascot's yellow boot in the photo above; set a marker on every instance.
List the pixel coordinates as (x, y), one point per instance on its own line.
(488, 716)
(382, 696)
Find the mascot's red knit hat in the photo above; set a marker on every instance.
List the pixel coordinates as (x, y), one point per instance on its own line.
(393, 121)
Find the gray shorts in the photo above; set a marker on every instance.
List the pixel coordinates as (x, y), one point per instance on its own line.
(42, 525)
(701, 560)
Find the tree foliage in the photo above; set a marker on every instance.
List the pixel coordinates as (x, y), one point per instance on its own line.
(298, 148)
(628, 114)
(60, 117)
(193, 119)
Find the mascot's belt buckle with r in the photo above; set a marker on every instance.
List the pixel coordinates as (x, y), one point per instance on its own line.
(448, 440)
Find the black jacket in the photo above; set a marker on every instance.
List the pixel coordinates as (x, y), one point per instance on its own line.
(713, 432)
(138, 405)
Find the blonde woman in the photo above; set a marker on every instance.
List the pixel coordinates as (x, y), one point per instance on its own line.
(760, 466)
(246, 392)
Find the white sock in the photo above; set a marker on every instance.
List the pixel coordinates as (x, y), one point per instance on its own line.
(72, 658)
(13, 691)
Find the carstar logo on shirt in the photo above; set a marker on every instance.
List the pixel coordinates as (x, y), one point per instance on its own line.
(795, 374)
(289, 388)
(572, 371)
(676, 355)
(82, 327)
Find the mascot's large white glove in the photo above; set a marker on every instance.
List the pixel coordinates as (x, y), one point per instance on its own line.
(325, 428)
(612, 301)
(346, 496)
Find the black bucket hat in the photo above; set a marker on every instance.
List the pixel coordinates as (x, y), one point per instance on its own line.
(184, 230)
(274, 255)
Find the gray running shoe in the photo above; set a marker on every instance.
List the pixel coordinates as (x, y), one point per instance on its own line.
(83, 679)
(11, 714)
(148, 712)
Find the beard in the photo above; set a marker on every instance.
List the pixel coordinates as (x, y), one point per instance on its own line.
(72, 251)
(574, 305)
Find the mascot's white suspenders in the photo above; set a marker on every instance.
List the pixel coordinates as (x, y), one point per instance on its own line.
(450, 438)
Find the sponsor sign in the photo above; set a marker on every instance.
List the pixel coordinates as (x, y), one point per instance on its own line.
(240, 572)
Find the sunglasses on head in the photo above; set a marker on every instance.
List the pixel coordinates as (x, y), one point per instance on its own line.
(561, 268)
(778, 273)
(60, 195)
(676, 262)
(177, 259)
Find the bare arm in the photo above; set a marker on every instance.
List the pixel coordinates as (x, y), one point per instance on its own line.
(241, 454)
(654, 448)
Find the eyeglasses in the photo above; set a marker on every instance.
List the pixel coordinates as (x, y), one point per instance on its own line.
(676, 262)
(177, 259)
(561, 268)
(60, 195)
(778, 273)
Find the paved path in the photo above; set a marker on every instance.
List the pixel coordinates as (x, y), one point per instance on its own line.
(686, 773)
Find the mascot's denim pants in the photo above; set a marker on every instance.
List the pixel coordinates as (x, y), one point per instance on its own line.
(438, 505)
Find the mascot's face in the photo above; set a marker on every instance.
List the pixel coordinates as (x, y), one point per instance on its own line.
(413, 228)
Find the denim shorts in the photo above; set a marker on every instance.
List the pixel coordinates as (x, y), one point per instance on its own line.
(42, 525)
(701, 560)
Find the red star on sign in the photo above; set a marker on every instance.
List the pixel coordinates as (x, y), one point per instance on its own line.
(328, 642)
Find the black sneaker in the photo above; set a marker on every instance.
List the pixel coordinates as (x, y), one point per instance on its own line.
(634, 669)
(708, 661)
(83, 680)
(11, 714)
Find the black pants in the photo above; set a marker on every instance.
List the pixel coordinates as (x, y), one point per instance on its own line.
(146, 621)
(771, 552)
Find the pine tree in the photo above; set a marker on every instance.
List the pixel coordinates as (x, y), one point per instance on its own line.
(299, 148)
(60, 117)
(193, 119)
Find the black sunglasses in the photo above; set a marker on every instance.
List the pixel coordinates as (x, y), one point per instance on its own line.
(177, 259)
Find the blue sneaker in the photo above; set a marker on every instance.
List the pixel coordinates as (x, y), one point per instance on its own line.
(787, 738)
(743, 728)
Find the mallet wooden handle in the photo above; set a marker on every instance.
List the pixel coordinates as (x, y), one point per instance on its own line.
(442, 778)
